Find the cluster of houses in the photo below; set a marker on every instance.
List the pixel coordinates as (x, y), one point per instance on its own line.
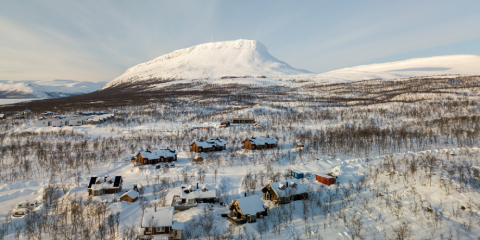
(47, 120)
(159, 220)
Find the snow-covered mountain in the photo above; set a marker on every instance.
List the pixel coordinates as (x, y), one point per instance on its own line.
(46, 89)
(248, 61)
(416, 67)
(216, 60)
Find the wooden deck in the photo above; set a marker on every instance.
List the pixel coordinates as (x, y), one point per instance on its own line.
(237, 221)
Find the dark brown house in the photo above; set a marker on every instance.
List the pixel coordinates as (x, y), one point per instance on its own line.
(156, 156)
(285, 192)
(129, 196)
(243, 121)
(260, 143)
(208, 145)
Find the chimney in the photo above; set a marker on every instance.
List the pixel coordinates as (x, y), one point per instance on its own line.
(197, 185)
(105, 179)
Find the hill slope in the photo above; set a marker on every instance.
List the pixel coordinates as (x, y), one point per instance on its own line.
(416, 67)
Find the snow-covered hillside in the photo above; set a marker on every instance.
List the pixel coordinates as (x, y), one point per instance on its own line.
(216, 60)
(46, 89)
(431, 66)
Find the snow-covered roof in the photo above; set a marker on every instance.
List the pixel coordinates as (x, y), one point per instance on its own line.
(161, 217)
(203, 191)
(250, 205)
(178, 225)
(100, 117)
(294, 187)
(2, 115)
(154, 154)
(263, 140)
(211, 143)
(133, 194)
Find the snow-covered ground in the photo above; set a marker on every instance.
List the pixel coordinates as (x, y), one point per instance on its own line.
(401, 171)
(4, 101)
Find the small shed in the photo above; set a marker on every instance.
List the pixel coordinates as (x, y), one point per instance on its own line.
(129, 196)
(2, 116)
(325, 180)
(177, 228)
(300, 145)
(297, 174)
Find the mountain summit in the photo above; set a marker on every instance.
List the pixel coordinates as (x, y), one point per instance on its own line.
(215, 60)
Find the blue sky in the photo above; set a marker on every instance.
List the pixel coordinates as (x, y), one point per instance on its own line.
(99, 40)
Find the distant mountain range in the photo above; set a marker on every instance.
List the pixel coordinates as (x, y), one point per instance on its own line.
(46, 89)
(243, 62)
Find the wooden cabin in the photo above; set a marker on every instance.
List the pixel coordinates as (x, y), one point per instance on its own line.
(243, 121)
(130, 196)
(211, 145)
(157, 220)
(146, 157)
(109, 186)
(325, 180)
(248, 208)
(285, 192)
(260, 143)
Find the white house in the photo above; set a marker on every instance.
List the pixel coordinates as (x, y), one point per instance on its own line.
(157, 220)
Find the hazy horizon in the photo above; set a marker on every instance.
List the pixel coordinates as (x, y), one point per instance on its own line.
(98, 41)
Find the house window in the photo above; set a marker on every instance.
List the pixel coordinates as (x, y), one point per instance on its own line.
(160, 229)
(145, 161)
(191, 201)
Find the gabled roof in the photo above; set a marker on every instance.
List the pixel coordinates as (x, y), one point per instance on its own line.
(133, 194)
(262, 140)
(161, 217)
(211, 143)
(155, 154)
(203, 191)
(250, 205)
(294, 187)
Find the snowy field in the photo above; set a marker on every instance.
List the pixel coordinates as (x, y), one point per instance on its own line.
(408, 166)
(12, 101)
